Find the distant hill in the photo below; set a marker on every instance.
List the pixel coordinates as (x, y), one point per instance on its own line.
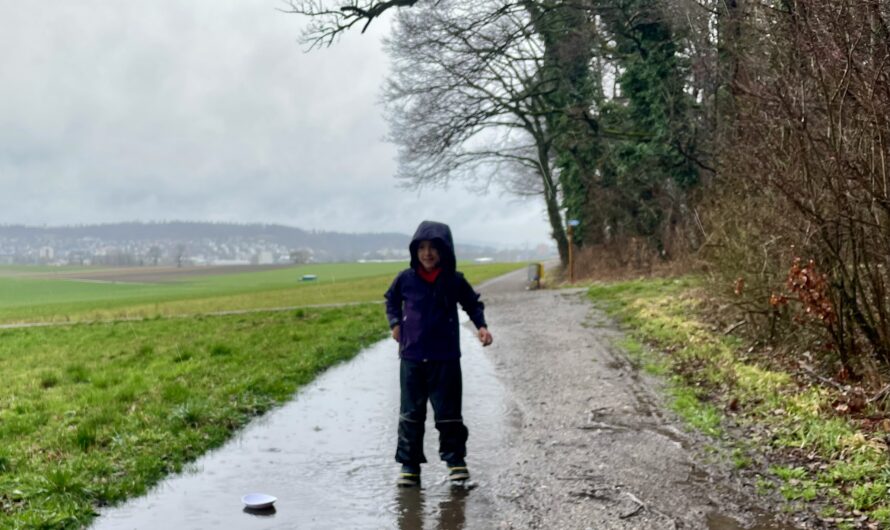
(138, 243)
(185, 232)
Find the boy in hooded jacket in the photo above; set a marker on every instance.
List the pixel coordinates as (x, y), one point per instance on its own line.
(421, 306)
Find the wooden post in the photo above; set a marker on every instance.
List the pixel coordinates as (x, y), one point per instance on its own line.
(571, 255)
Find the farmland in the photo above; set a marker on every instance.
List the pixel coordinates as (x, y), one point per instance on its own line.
(62, 295)
(97, 411)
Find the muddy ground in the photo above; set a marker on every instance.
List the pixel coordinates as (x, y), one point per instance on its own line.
(564, 434)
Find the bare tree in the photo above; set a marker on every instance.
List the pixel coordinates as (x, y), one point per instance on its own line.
(154, 254)
(466, 100)
(300, 255)
(179, 252)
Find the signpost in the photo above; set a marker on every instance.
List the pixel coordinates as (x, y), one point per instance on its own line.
(535, 275)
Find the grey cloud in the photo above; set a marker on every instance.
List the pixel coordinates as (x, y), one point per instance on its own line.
(203, 110)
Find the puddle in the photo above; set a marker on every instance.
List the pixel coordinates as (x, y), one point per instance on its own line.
(328, 457)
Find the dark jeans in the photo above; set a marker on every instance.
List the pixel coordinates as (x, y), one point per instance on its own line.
(440, 383)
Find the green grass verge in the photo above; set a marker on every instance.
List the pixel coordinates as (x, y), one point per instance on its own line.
(830, 459)
(92, 414)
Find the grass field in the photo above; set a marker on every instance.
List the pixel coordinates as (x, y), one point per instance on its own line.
(59, 297)
(93, 413)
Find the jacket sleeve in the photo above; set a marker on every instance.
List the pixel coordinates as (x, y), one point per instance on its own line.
(470, 302)
(393, 297)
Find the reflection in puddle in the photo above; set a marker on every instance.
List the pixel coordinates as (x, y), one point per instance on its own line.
(260, 512)
(410, 503)
(453, 510)
(449, 513)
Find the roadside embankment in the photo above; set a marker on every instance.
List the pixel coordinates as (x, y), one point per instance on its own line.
(814, 444)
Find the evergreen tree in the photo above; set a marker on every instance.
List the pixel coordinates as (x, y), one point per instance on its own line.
(647, 167)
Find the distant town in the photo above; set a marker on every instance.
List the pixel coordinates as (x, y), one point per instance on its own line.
(185, 244)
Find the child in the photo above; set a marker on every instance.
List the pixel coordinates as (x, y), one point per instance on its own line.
(421, 306)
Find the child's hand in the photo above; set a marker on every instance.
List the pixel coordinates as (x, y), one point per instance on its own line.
(484, 336)
(395, 332)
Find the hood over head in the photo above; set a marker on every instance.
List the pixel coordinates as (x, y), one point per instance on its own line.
(440, 235)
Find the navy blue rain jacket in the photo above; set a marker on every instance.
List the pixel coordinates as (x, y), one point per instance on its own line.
(427, 312)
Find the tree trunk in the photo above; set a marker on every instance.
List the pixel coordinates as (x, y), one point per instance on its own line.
(729, 35)
(556, 225)
(568, 37)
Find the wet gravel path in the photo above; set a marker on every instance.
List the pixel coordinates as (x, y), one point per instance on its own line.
(564, 434)
(596, 447)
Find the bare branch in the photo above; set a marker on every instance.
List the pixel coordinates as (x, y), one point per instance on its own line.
(331, 18)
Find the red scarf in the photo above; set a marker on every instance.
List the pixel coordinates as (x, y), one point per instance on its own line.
(429, 276)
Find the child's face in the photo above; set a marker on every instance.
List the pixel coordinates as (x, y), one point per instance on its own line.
(428, 254)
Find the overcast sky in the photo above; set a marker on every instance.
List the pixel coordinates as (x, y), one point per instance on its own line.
(209, 111)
